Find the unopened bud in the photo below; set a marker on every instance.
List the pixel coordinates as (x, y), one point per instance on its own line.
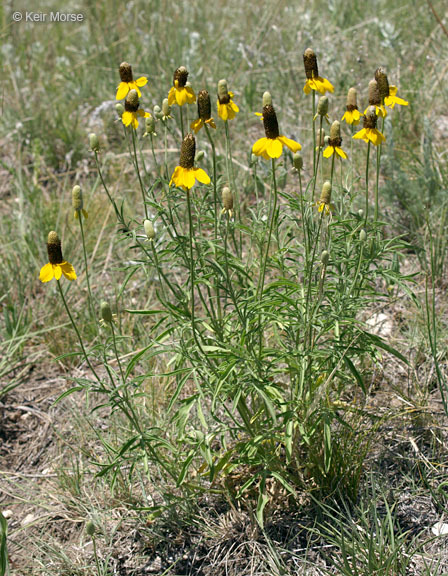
(297, 161)
(77, 202)
(150, 125)
(119, 108)
(325, 195)
(200, 155)
(322, 106)
(90, 528)
(149, 229)
(166, 108)
(222, 89)
(362, 236)
(158, 112)
(94, 142)
(106, 312)
(227, 198)
(267, 99)
(325, 257)
(361, 213)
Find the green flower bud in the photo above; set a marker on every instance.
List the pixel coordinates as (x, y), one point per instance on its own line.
(119, 108)
(200, 155)
(158, 112)
(227, 198)
(150, 125)
(90, 528)
(149, 229)
(106, 312)
(361, 213)
(325, 257)
(267, 99)
(362, 236)
(322, 106)
(325, 195)
(77, 201)
(166, 108)
(297, 161)
(94, 142)
(222, 89)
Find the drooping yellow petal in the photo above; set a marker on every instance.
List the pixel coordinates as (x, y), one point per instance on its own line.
(190, 95)
(291, 144)
(127, 117)
(307, 87)
(361, 135)
(68, 270)
(76, 214)
(211, 122)
(181, 96)
(134, 121)
(222, 111)
(196, 125)
(259, 147)
(57, 271)
(341, 152)
(84, 213)
(46, 273)
(133, 86)
(233, 107)
(201, 176)
(328, 152)
(175, 176)
(172, 96)
(122, 90)
(274, 147)
(188, 178)
(141, 81)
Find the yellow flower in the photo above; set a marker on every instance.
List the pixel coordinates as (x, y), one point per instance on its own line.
(352, 114)
(271, 146)
(334, 142)
(180, 93)
(204, 112)
(370, 132)
(388, 93)
(314, 81)
(185, 175)
(132, 110)
(57, 265)
(393, 99)
(128, 83)
(227, 109)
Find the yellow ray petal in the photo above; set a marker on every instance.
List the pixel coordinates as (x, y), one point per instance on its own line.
(341, 152)
(127, 117)
(141, 81)
(46, 273)
(57, 271)
(172, 96)
(259, 147)
(291, 144)
(68, 271)
(274, 147)
(122, 90)
(196, 125)
(328, 152)
(201, 176)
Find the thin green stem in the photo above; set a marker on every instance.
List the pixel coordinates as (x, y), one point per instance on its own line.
(111, 200)
(95, 553)
(231, 178)
(116, 353)
(314, 135)
(316, 161)
(77, 332)
(182, 122)
(138, 173)
(154, 155)
(378, 162)
(271, 226)
(367, 184)
(92, 309)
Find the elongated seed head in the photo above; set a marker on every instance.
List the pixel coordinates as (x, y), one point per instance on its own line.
(325, 195)
(131, 102)
(310, 63)
(204, 105)
(125, 72)
(267, 99)
(54, 248)
(181, 75)
(270, 122)
(77, 202)
(187, 151)
(383, 82)
(106, 312)
(374, 94)
(352, 99)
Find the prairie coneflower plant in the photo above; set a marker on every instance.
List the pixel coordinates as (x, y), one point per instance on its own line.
(55, 268)
(128, 83)
(181, 92)
(132, 110)
(375, 100)
(271, 147)
(314, 83)
(352, 115)
(334, 146)
(370, 134)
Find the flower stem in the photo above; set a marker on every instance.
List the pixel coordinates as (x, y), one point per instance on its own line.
(314, 136)
(271, 226)
(111, 200)
(318, 155)
(378, 161)
(182, 122)
(367, 184)
(77, 332)
(138, 174)
(231, 177)
(92, 309)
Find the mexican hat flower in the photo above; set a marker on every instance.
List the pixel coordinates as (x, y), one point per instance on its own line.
(314, 81)
(128, 83)
(132, 110)
(271, 146)
(352, 114)
(334, 142)
(78, 203)
(324, 202)
(185, 175)
(388, 93)
(56, 265)
(369, 132)
(227, 201)
(181, 93)
(227, 109)
(376, 100)
(204, 112)
(322, 109)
